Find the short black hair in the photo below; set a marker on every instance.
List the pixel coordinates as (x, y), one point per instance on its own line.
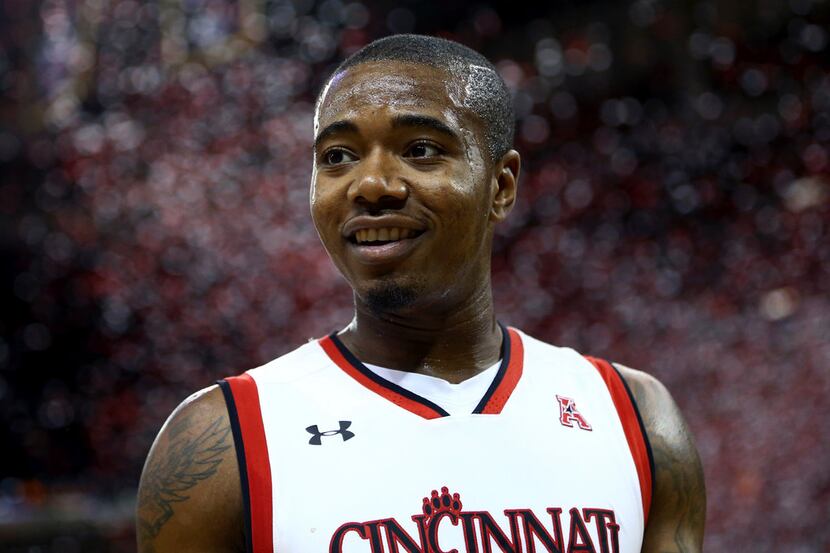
(488, 96)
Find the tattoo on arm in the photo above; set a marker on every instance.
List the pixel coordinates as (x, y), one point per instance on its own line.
(686, 485)
(168, 478)
(679, 503)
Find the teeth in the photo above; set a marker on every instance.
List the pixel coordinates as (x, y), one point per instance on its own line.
(382, 234)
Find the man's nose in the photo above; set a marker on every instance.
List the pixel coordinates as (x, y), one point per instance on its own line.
(378, 180)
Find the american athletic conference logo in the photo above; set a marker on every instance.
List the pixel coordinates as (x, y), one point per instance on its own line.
(589, 530)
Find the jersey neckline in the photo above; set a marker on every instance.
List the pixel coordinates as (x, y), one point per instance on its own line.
(492, 403)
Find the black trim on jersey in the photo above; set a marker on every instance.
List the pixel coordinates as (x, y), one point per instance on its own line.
(377, 379)
(240, 459)
(505, 362)
(642, 428)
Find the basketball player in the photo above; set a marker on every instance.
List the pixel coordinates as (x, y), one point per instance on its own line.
(425, 425)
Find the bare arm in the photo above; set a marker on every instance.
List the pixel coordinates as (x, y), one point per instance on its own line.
(189, 498)
(678, 505)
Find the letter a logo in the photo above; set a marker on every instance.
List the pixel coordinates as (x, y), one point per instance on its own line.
(568, 414)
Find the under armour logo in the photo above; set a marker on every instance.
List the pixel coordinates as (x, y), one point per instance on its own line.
(316, 438)
(568, 414)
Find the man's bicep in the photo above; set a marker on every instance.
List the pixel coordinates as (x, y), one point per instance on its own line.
(189, 498)
(678, 508)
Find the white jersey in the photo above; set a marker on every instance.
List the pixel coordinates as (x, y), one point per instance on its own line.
(333, 457)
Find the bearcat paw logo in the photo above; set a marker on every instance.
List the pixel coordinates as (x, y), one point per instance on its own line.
(445, 502)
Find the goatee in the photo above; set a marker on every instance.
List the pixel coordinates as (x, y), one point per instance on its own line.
(389, 297)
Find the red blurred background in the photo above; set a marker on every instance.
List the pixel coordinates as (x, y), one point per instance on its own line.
(155, 235)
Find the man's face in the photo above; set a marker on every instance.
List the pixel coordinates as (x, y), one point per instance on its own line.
(402, 190)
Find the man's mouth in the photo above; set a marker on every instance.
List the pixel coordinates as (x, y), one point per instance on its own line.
(383, 245)
(381, 236)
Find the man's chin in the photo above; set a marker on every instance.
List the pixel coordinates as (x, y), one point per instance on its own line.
(389, 297)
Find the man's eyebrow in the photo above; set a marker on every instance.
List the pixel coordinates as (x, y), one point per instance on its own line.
(334, 128)
(424, 121)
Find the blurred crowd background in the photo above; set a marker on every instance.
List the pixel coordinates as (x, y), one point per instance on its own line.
(674, 216)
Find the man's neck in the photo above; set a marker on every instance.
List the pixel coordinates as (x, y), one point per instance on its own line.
(453, 345)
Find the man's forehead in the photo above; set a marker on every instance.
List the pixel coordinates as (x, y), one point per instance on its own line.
(389, 84)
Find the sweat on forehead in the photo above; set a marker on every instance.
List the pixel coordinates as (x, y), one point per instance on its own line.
(392, 83)
(478, 85)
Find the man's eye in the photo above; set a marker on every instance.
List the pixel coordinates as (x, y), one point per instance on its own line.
(338, 156)
(422, 149)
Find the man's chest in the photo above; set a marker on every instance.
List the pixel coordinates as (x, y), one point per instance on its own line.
(360, 481)
(347, 462)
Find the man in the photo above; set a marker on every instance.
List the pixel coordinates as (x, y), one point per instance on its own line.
(424, 425)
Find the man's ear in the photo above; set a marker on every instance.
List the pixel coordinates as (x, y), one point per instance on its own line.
(505, 185)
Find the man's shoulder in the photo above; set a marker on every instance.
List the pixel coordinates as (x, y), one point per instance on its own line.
(678, 507)
(302, 361)
(652, 397)
(537, 346)
(546, 356)
(191, 477)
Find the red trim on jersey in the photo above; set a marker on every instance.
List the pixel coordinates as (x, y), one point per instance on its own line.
(511, 376)
(258, 465)
(409, 404)
(632, 426)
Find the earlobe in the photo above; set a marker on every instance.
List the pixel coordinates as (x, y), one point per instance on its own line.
(505, 185)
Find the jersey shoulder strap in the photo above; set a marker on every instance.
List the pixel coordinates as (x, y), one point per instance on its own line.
(632, 423)
(242, 399)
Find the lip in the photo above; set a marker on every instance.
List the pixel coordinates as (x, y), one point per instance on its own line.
(362, 222)
(383, 254)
